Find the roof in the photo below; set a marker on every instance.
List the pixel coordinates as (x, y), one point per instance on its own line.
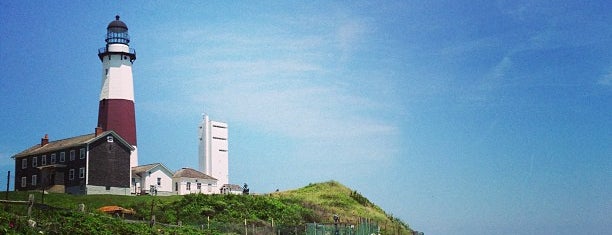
(232, 187)
(117, 25)
(138, 170)
(68, 143)
(191, 173)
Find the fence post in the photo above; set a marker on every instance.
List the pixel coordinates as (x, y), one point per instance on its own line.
(8, 180)
(30, 204)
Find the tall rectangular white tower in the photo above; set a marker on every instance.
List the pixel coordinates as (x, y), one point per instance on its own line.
(213, 150)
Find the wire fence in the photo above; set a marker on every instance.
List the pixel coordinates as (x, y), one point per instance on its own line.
(362, 228)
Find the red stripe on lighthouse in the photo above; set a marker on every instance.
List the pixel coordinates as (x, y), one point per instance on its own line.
(118, 115)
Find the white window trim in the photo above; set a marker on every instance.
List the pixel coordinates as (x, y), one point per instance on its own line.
(43, 160)
(72, 155)
(34, 179)
(82, 172)
(71, 174)
(34, 161)
(82, 153)
(24, 182)
(53, 158)
(24, 163)
(62, 157)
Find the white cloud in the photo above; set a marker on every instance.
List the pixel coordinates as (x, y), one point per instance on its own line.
(286, 84)
(606, 80)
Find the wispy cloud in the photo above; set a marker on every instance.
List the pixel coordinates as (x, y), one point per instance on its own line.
(606, 80)
(284, 84)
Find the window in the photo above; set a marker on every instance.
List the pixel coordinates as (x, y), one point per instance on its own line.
(62, 156)
(217, 126)
(53, 158)
(24, 163)
(222, 150)
(34, 161)
(82, 172)
(24, 182)
(110, 139)
(71, 174)
(188, 185)
(158, 181)
(33, 180)
(72, 153)
(176, 186)
(218, 138)
(199, 186)
(82, 153)
(43, 160)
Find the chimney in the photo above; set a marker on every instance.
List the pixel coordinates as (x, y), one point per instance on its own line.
(44, 141)
(99, 131)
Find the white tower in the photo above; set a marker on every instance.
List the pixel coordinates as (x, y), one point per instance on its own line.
(116, 110)
(213, 150)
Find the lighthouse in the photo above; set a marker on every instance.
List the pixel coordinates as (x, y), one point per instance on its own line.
(116, 107)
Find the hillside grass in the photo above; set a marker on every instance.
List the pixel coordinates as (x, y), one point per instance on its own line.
(332, 198)
(313, 203)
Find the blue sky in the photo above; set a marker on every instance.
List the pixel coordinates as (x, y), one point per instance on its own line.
(475, 117)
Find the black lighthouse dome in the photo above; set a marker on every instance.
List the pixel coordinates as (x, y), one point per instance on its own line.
(117, 32)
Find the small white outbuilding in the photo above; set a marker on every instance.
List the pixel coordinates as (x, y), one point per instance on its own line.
(188, 181)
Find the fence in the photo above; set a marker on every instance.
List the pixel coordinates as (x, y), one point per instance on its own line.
(365, 228)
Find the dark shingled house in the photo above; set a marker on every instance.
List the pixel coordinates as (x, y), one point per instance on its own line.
(97, 163)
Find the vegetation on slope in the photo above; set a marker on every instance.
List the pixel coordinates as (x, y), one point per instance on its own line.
(313, 203)
(332, 198)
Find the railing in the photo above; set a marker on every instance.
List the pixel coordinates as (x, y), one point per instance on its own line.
(105, 50)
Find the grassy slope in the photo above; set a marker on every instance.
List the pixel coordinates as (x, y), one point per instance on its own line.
(319, 202)
(329, 198)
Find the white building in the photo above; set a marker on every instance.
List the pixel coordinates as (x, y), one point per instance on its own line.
(213, 151)
(188, 181)
(153, 179)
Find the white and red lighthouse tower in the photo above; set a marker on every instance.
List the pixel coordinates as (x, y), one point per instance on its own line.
(116, 111)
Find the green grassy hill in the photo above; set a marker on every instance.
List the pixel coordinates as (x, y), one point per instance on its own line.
(332, 198)
(287, 212)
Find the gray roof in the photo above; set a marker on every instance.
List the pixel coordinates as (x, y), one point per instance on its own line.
(117, 25)
(138, 170)
(191, 173)
(232, 187)
(68, 143)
